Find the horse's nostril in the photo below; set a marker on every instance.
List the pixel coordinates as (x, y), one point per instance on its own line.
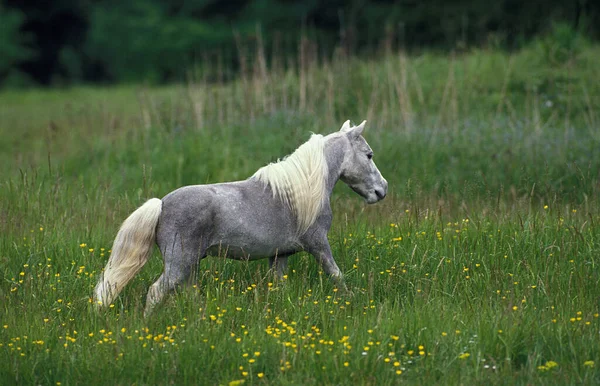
(380, 193)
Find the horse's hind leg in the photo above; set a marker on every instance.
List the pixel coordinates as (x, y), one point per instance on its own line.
(279, 265)
(158, 290)
(180, 261)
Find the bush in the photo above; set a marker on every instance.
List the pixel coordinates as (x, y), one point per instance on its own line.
(561, 44)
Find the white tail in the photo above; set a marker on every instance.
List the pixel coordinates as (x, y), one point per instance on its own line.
(131, 250)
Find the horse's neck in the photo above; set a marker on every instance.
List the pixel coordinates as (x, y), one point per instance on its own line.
(334, 155)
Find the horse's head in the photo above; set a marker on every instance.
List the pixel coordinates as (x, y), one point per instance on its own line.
(358, 168)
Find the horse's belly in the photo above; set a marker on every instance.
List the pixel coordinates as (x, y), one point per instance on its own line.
(244, 251)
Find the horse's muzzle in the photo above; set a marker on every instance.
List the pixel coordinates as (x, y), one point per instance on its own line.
(382, 192)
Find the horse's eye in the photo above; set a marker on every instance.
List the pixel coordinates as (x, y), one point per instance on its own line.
(370, 155)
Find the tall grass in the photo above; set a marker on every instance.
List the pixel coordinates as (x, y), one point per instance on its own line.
(495, 119)
(481, 266)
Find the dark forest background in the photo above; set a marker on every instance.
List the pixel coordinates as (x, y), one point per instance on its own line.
(64, 42)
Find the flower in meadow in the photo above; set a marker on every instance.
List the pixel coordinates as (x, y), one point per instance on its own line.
(549, 365)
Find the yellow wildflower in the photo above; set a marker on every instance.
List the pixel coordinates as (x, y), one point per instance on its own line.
(589, 364)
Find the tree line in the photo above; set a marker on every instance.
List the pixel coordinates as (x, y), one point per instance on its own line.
(106, 41)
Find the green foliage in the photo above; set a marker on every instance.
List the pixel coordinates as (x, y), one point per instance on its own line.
(561, 44)
(134, 38)
(13, 46)
(157, 42)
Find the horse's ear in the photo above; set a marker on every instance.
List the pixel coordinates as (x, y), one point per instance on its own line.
(346, 126)
(357, 130)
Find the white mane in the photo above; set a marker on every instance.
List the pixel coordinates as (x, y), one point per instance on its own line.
(299, 180)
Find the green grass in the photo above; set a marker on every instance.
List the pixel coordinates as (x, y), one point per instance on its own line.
(486, 253)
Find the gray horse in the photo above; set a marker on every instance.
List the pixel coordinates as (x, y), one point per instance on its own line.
(282, 209)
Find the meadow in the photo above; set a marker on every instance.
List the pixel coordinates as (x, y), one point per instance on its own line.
(481, 266)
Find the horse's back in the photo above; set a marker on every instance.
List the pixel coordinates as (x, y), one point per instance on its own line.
(192, 206)
(240, 217)
(194, 200)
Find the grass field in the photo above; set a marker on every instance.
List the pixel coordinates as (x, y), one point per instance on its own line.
(481, 266)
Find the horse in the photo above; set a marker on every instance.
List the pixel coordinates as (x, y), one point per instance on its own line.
(282, 209)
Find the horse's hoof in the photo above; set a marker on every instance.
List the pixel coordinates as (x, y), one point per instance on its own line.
(346, 291)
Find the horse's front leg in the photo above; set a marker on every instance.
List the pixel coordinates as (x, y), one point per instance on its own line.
(321, 250)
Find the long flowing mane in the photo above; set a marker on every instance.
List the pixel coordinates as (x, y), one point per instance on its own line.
(299, 180)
